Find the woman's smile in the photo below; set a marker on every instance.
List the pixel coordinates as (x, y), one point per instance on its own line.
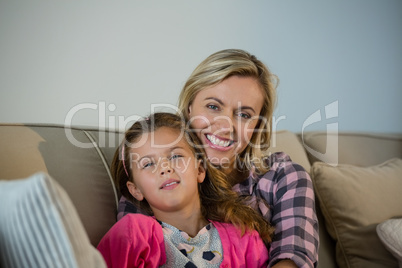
(219, 143)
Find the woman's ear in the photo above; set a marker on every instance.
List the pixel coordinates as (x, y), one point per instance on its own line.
(134, 191)
(201, 172)
(189, 110)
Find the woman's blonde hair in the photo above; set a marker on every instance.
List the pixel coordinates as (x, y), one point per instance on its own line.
(218, 201)
(235, 62)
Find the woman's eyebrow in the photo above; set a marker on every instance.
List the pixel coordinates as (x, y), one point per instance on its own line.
(246, 108)
(215, 99)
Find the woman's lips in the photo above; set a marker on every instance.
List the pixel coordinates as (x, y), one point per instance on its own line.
(169, 184)
(219, 143)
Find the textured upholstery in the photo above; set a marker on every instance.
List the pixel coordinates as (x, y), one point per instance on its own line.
(79, 160)
(82, 172)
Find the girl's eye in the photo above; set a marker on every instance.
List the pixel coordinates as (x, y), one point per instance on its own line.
(149, 164)
(175, 156)
(176, 159)
(212, 107)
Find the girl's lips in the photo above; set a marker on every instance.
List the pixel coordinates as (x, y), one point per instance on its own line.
(218, 143)
(169, 184)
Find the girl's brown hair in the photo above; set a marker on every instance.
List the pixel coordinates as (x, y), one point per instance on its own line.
(235, 62)
(218, 201)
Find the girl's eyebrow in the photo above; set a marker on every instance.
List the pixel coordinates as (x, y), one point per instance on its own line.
(176, 147)
(221, 103)
(151, 156)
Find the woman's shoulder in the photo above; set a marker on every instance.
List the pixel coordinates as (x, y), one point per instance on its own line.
(282, 170)
(281, 162)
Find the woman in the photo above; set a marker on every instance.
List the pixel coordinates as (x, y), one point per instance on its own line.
(228, 101)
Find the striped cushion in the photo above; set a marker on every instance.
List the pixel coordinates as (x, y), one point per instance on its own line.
(39, 226)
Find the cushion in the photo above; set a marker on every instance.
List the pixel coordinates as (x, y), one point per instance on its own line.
(390, 234)
(354, 200)
(39, 226)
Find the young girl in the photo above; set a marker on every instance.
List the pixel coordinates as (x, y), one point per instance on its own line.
(229, 100)
(198, 221)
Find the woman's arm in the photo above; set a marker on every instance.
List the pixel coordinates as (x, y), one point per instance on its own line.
(286, 199)
(285, 264)
(125, 207)
(293, 213)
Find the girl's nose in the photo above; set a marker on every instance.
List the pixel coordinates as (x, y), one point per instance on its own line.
(165, 171)
(165, 167)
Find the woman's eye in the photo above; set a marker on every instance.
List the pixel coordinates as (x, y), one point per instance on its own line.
(212, 107)
(244, 115)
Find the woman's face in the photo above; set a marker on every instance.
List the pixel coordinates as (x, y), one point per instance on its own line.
(224, 117)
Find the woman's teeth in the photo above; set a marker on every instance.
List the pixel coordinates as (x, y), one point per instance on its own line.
(216, 141)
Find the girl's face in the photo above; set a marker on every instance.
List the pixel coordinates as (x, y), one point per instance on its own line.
(224, 117)
(165, 172)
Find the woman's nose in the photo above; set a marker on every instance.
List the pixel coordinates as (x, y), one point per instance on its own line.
(225, 124)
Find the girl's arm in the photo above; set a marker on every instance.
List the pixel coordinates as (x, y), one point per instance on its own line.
(134, 241)
(247, 250)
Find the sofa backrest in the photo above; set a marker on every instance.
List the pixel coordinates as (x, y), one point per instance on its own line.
(79, 160)
(358, 149)
(76, 158)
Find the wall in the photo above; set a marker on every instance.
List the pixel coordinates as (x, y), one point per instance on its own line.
(97, 62)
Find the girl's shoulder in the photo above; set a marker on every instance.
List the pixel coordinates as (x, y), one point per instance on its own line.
(231, 234)
(139, 221)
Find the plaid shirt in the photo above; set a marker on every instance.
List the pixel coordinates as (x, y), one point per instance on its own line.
(285, 197)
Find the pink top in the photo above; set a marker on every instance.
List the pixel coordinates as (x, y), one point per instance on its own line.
(137, 241)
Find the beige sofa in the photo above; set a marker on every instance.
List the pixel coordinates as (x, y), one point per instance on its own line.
(79, 159)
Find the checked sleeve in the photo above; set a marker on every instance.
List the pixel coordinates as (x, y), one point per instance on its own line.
(285, 197)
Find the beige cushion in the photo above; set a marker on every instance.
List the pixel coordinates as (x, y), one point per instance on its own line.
(353, 201)
(390, 233)
(22, 144)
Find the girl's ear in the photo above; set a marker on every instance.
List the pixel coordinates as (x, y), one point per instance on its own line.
(134, 191)
(201, 172)
(189, 110)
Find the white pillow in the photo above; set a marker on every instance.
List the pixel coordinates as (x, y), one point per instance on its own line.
(39, 226)
(390, 234)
